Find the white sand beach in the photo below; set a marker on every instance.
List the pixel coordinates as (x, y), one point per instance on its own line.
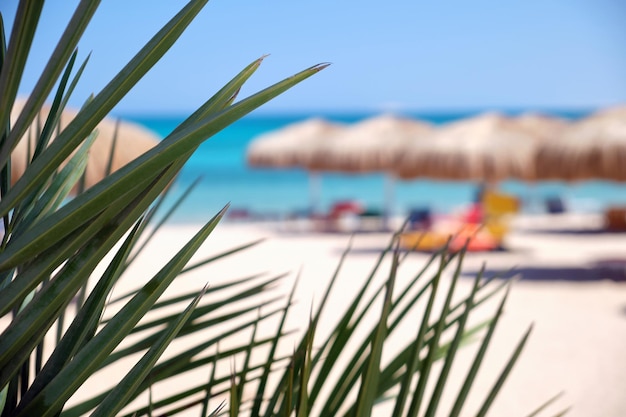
(578, 341)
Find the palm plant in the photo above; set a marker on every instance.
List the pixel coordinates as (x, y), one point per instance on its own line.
(50, 248)
(59, 325)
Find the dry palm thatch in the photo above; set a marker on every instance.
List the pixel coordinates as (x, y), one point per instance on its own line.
(542, 127)
(116, 144)
(374, 144)
(489, 147)
(594, 147)
(613, 112)
(287, 147)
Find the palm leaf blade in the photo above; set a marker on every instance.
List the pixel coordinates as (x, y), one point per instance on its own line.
(123, 391)
(51, 399)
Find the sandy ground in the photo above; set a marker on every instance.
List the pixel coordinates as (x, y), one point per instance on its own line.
(578, 340)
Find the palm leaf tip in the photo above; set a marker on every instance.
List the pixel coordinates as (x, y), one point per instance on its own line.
(504, 374)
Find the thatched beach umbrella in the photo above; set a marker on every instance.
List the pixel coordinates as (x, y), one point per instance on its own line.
(131, 141)
(613, 112)
(593, 148)
(541, 126)
(486, 148)
(289, 147)
(372, 145)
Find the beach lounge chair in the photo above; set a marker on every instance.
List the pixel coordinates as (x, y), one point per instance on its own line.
(555, 205)
(475, 237)
(343, 216)
(499, 208)
(420, 219)
(238, 214)
(470, 236)
(482, 227)
(499, 204)
(373, 220)
(615, 219)
(423, 240)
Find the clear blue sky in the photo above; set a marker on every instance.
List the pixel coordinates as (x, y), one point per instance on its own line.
(396, 54)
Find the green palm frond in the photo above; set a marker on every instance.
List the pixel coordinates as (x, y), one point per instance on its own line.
(52, 243)
(62, 322)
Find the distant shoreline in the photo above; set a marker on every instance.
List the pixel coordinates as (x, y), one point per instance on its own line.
(356, 114)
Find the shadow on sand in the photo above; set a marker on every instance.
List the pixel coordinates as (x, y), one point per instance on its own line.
(582, 232)
(375, 250)
(613, 270)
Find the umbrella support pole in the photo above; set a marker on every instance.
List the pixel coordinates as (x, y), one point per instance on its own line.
(535, 201)
(389, 197)
(315, 188)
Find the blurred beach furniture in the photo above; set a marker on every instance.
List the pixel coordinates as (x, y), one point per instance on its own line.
(240, 214)
(350, 216)
(290, 146)
(499, 209)
(343, 216)
(371, 145)
(615, 219)
(555, 205)
(374, 220)
(420, 218)
(116, 144)
(483, 226)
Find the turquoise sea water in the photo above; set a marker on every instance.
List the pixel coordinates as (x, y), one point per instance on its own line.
(225, 177)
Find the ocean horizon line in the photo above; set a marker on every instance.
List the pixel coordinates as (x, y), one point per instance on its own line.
(459, 112)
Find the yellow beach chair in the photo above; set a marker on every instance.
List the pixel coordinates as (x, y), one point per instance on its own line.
(499, 208)
(423, 240)
(499, 204)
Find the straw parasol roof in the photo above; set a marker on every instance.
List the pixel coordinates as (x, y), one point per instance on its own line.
(594, 147)
(132, 141)
(541, 126)
(489, 147)
(287, 147)
(371, 145)
(613, 112)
